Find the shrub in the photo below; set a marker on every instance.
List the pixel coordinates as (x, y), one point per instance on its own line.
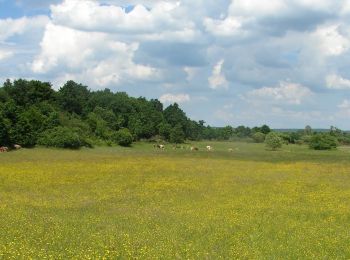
(306, 139)
(294, 137)
(323, 142)
(123, 137)
(258, 137)
(273, 141)
(61, 137)
(156, 139)
(345, 140)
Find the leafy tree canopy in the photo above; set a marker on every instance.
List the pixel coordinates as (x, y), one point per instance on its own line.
(273, 141)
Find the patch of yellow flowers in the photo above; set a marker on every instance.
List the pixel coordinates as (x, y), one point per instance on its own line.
(161, 207)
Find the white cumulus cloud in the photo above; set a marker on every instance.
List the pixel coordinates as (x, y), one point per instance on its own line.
(285, 92)
(335, 81)
(257, 7)
(10, 27)
(345, 104)
(93, 57)
(330, 41)
(161, 21)
(175, 98)
(226, 27)
(217, 79)
(5, 54)
(344, 109)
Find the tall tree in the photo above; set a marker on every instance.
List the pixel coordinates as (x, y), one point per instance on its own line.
(265, 129)
(26, 93)
(73, 97)
(174, 116)
(177, 135)
(4, 131)
(308, 130)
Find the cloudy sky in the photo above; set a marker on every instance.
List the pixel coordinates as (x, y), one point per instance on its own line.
(285, 63)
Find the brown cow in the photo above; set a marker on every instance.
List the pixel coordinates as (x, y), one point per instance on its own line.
(4, 149)
(194, 148)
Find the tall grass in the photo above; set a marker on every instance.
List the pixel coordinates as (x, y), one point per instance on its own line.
(145, 203)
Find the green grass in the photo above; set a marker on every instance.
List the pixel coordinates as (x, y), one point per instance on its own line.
(144, 203)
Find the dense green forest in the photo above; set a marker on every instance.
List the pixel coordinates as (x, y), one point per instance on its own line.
(33, 113)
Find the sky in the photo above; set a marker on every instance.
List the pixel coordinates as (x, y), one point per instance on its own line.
(285, 63)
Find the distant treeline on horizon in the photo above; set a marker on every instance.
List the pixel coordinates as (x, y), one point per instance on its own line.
(294, 130)
(32, 112)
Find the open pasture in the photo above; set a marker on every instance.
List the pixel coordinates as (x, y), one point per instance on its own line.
(147, 203)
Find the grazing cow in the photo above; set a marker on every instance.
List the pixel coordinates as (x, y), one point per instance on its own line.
(194, 148)
(230, 150)
(209, 148)
(4, 149)
(159, 146)
(17, 146)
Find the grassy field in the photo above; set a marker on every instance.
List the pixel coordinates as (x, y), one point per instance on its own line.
(145, 203)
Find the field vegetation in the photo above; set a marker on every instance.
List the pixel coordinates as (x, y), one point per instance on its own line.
(145, 203)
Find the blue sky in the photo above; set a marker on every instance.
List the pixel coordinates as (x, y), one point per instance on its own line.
(230, 62)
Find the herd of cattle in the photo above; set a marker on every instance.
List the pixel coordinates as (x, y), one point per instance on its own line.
(192, 148)
(159, 146)
(4, 149)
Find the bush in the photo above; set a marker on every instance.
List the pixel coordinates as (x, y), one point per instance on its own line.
(294, 137)
(344, 140)
(285, 138)
(273, 141)
(305, 139)
(156, 139)
(61, 137)
(258, 137)
(123, 137)
(323, 142)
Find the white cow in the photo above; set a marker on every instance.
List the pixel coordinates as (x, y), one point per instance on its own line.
(159, 146)
(209, 148)
(17, 146)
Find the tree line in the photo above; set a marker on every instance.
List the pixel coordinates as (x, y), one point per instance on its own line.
(33, 113)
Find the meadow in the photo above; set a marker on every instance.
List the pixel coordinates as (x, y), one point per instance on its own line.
(144, 203)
